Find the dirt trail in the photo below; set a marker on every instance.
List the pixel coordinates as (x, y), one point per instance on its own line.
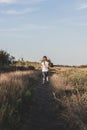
(43, 114)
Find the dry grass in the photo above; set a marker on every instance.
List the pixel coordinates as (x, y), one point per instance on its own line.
(71, 91)
(14, 92)
(62, 69)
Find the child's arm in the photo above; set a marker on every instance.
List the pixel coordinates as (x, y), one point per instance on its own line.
(47, 65)
(41, 65)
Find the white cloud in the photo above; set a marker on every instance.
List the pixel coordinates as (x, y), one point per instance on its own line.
(80, 21)
(81, 24)
(82, 6)
(19, 12)
(9, 30)
(38, 27)
(20, 1)
(7, 1)
(28, 27)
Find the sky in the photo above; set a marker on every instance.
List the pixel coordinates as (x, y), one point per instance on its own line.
(55, 28)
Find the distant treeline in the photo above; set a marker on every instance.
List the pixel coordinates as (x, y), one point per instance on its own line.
(9, 63)
(68, 66)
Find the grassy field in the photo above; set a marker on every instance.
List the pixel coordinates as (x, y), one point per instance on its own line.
(14, 95)
(69, 86)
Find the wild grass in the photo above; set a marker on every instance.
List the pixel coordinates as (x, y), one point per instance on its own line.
(71, 91)
(14, 93)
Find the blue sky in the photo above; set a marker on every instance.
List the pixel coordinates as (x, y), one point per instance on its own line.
(56, 28)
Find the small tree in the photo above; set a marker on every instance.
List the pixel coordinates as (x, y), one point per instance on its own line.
(5, 58)
(50, 63)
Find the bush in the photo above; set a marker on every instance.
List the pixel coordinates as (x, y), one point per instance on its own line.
(31, 67)
(5, 58)
(50, 63)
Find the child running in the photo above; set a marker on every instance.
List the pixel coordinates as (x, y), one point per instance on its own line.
(45, 69)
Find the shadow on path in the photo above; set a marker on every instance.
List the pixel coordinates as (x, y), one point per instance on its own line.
(43, 113)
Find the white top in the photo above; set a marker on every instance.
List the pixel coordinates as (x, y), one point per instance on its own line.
(45, 66)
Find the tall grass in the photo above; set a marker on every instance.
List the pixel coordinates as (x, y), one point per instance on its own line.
(71, 86)
(14, 92)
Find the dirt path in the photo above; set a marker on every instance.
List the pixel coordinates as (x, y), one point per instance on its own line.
(43, 114)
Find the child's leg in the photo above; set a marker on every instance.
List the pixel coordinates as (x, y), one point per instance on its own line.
(47, 78)
(43, 80)
(44, 77)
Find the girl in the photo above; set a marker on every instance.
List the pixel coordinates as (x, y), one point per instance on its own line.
(45, 69)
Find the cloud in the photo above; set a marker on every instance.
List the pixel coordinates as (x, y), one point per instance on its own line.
(27, 27)
(80, 21)
(81, 24)
(19, 12)
(20, 1)
(15, 29)
(38, 27)
(7, 1)
(82, 6)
